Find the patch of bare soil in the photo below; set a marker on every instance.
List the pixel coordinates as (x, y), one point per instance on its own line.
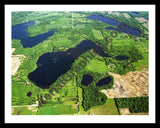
(16, 61)
(113, 12)
(146, 24)
(110, 12)
(116, 13)
(124, 111)
(133, 84)
(126, 15)
(142, 19)
(12, 110)
(18, 113)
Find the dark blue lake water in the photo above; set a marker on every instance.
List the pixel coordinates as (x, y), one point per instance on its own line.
(104, 81)
(107, 20)
(121, 57)
(52, 65)
(86, 80)
(134, 13)
(20, 32)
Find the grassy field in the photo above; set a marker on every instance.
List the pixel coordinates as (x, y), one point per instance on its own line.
(120, 46)
(109, 108)
(142, 65)
(97, 34)
(23, 111)
(59, 109)
(64, 42)
(96, 65)
(143, 47)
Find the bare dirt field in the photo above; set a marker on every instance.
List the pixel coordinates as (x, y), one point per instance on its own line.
(16, 61)
(133, 84)
(126, 15)
(146, 24)
(141, 19)
(116, 13)
(110, 12)
(113, 12)
(124, 111)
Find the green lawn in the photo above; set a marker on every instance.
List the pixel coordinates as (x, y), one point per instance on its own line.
(109, 108)
(59, 109)
(142, 64)
(24, 111)
(97, 34)
(96, 65)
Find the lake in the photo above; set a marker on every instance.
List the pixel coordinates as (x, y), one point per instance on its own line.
(52, 65)
(86, 80)
(113, 22)
(20, 32)
(104, 81)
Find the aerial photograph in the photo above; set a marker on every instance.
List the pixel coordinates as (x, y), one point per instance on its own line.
(80, 63)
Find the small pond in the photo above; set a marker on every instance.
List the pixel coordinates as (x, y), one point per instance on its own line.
(102, 99)
(29, 94)
(86, 80)
(121, 57)
(134, 13)
(104, 81)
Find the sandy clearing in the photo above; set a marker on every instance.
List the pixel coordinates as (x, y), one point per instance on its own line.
(16, 61)
(146, 24)
(126, 15)
(12, 110)
(113, 12)
(133, 84)
(110, 12)
(116, 13)
(141, 19)
(124, 111)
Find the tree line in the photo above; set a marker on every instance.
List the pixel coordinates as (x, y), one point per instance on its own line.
(135, 104)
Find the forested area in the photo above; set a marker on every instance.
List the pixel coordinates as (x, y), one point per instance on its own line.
(126, 64)
(135, 104)
(91, 93)
(92, 97)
